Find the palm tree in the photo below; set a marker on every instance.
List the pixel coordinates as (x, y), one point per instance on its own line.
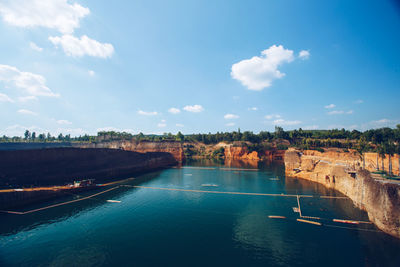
(382, 154)
(398, 154)
(390, 149)
(362, 146)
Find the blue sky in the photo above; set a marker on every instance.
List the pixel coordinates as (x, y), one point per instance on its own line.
(197, 66)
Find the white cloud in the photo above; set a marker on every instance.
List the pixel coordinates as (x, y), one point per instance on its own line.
(230, 116)
(311, 127)
(162, 124)
(230, 124)
(5, 98)
(179, 125)
(258, 73)
(110, 128)
(33, 84)
(253, 108)
(283, 122)
(27, 112)
(330, 106)
(91, 73)
(35, 47)
(194, 108)
(272, 116)
(147, 113)
(27, 98)
(340, 112)
(359, 101)
(304, 54)
(76, 47)
(64, 122)
(53, 14)
(335, 112)
(174, 110)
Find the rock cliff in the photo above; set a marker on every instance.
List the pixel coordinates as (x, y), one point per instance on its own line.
(243, 153)
(380, 198)
(173, 147)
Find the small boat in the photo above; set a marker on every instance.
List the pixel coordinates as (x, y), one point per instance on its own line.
(113, 201)
(209, 185)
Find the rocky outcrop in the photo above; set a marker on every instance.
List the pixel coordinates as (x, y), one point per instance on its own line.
(58, 166)
(380, 198)
(233, 152)
(174, 148)
(243, 153)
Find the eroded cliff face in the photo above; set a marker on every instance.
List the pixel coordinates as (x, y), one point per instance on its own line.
(174, 148)
(342, 171)
(243, 153)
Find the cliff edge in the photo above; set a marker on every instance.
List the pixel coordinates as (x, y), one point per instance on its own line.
(379, 197)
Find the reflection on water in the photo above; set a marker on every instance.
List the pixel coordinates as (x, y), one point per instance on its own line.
(175, 228)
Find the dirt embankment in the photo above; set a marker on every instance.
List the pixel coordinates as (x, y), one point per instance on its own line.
(58, 166)
(342, 171)
(171, 147)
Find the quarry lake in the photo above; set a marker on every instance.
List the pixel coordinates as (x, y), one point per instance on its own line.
(174, 217)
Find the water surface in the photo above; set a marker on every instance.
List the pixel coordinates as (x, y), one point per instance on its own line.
(152, 227)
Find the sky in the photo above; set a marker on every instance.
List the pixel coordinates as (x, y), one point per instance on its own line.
(156, 66)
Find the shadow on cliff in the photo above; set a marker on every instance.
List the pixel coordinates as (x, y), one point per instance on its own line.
(12, 223)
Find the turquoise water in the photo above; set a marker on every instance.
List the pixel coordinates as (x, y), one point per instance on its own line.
(152, 227)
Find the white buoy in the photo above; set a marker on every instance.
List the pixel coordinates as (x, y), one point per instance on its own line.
(113, 201)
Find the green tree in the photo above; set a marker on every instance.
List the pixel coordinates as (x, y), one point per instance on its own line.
(398, 153)
(361, 148)
(33, 136)
(180, 137)
(27, 135)
(382, 154)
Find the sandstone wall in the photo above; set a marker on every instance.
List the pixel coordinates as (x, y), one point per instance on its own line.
(379, 198)
(242, 153)
(172, 147)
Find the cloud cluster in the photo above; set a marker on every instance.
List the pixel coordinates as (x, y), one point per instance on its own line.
(174, 110)
(194, 108)
(27, 112)
(35, 47)
(32, 84)
(59, 15)
(53, 14)
(304, 54)
(230, 116)
(79, 47)
(147, 113)
(340, 112)
(5, 98)
(282, 122)
(277, 119)
(330, 106)
(272, 116)
(259, 72)
(162, 124)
